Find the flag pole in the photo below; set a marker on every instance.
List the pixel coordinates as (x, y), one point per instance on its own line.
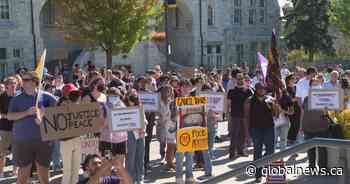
(39, 71)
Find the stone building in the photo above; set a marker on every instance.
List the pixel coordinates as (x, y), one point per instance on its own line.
(232, 31)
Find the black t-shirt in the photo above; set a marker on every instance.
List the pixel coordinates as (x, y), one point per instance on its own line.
(292, 93)
(286, 101)
(238, 96)
(5, 124)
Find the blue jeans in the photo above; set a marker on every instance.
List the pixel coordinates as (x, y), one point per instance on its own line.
(211, 139)
(260, 137)
(56, 163)
(208, 166)
(135, 157)
(282, 133)
(179, 166)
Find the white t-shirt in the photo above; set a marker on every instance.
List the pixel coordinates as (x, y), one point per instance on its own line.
(303, 87)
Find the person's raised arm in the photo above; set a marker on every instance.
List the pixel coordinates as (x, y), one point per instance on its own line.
(122, 172)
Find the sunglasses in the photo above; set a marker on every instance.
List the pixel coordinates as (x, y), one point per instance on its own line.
(26, 80)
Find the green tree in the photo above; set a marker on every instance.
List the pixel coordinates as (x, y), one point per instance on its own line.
(307, 27)
(116, 26)
(340, 15)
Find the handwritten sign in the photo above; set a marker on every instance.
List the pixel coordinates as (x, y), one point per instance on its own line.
(89, 146)
(192, 139)
(192, 100)
(326, 98)
(216, 101)
(70, 121)
(150, 101)
(191, 116)
(123, 119)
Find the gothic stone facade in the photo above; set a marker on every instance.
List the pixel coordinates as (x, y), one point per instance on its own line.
(233, 31)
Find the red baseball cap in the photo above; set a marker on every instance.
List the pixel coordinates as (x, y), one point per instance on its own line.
(68, 88)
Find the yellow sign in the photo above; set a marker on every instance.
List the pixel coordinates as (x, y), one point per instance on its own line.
(193, 100)
(192, 139)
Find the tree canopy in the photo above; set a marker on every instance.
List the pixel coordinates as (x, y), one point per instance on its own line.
(340, 15)
(307, 27)
(116, 26)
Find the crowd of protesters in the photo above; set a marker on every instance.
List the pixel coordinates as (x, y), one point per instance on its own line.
(255, 118)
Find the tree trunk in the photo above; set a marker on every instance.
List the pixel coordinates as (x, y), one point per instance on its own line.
(109, 58)
(311, 56)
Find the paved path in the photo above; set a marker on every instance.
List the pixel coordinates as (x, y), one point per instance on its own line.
(221, 165)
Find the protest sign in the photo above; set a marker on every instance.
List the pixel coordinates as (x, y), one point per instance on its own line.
(216, 101)
(192, 139)
(70, 121)
(331, 99)
(187, 72)
(89, 146)
(222, 129)
(123, 119)
(191, 100)
(150, 101)
(191, 116)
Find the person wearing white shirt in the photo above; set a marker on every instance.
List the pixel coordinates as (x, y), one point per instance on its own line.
(303, 85)
(333, 82)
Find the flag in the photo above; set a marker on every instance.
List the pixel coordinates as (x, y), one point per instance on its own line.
(39, 70)
(263, 62)
(274, 78)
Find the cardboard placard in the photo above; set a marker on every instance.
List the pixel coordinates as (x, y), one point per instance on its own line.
(217, 101)
(187, 72)
(331, 99)
(150, 101)
(191, 100)
(192, 139)
(124, 119)
(70, 121)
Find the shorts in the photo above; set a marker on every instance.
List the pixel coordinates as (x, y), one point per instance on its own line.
(5, 142)
(26, 152)
(115, 148)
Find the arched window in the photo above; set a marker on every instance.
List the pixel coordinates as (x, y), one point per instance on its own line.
(210, 15)
(4, 10)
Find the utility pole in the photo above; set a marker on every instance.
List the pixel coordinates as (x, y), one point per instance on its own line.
(33, 31)
(166, 34)
(201, 31)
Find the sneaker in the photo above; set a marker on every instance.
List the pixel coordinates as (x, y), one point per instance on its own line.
(258, 180)
(180, 181)
(205, 177)
(190, 181)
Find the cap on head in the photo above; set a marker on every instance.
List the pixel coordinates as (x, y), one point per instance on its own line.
(68, 88)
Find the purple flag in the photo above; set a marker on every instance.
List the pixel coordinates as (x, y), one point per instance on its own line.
(263, 64)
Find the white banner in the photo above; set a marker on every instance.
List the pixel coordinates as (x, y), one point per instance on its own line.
(150, 101)
(125, 119)
(331, 99)
(216, 101)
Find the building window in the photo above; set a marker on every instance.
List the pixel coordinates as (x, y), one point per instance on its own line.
(49, 13)
(237, 16)
(240, 53)
(17, 53)
(261, 3)
(237, 12)
(237, 3)
(253, 52)
(4, 10)
(252, 3)
(214, 56)
(262, 16)
(252, 13)
(3, 53)
(3, 70)
(210, 15)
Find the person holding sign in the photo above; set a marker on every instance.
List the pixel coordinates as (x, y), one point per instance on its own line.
(24, 111)
(135, 146)
(115, 142)
(71, 147)
(315, 123)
